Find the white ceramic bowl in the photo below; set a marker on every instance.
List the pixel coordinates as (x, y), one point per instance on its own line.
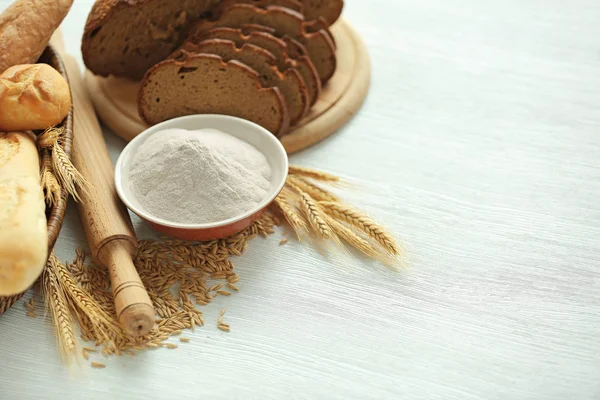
(245, 130)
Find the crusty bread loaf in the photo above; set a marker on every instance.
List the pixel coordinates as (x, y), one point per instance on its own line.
(205, 84)
(289, 81)
(127, 37)
(26, 27)
(23, 232)
(32, 96)
(286, 23)
(275, 46)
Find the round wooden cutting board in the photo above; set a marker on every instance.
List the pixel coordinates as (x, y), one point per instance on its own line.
(115, 99)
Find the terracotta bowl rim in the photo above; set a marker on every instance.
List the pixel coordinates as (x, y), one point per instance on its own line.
(173, 123)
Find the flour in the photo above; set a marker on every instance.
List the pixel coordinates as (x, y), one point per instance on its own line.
(199, 176)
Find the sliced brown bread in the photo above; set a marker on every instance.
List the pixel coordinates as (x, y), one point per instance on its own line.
(275, 46)
(127, 37)
(330, 10)
(295, 5)
(205, 84)
(318, 24)
(289, 81)
(286, 23)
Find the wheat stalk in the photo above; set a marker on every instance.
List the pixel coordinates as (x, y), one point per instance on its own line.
(57, 303)
(68, 175)
(362, 222)
(315, 191)
(50, 185)
(313, 173)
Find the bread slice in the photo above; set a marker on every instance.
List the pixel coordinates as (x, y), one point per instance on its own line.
(295, 5)
(275, 46)
(205, 84)
(127, 37)
(289, 81)
(286, 23)
(330, 10)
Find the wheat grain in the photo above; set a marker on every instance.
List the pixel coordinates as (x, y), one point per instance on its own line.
(184, 340)
(224, 327)
(313, 173)
(95, 364)
(170, 346)
(283, 241)
(364, 223)
(232, 286)
(223, 293)
(89, 295)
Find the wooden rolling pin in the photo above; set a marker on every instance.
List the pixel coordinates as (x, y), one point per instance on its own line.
(105, 220)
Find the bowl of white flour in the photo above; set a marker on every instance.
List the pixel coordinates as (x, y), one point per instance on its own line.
(201, 177)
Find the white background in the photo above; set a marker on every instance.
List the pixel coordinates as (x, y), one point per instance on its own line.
(479, 146)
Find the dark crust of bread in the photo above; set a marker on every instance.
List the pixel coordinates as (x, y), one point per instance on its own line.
(104, 9)
(278, 129)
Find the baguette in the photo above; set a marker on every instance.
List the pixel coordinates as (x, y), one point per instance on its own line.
(23, 232)
(275, 46)
(205, 84)
(26, 27)
(289, 81)
(32, 96)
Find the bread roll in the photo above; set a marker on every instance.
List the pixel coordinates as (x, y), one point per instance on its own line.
(32, 96)
(26, 27)
(23, 232)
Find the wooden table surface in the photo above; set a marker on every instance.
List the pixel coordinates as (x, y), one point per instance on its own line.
(479, 145)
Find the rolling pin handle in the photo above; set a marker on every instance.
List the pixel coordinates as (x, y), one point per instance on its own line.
(132, 303)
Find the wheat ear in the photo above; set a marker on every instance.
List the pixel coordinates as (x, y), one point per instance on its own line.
(50, 184)
(50, 136)
(362, 222)
(71, 179)
(62, 319)
(314, 191)
(292, 216)
(313, 173)
(359, 243)
(104, 324)
(314, 214)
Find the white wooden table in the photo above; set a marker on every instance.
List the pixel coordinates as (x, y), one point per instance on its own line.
(479, 146)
